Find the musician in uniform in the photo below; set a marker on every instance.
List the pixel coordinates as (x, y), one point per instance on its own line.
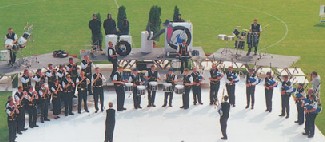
(251, 82)
(109, 123)
(72, 70)
(109, 25)
(44, 102)
(310, 105)
(170, 78)
(298, 97)
(20, 99)
(98, 79)
(82, 87)
(184, 54)
(112, 57)
(215, 77)
(51, 75)
(12, 112)
(286, 90)
(13, 36)
(56, 91)
(316, 85)
(25, 80)
(225, 107)
(39, 79)
(188, 82)
(119, 87)
(197, 78)
(95, 27)
(152, 75)
(231, 81)
(68, 87)
(137, 80)
(61, 73)
(255, 30)
(269, 86)
(32, 110)
(86, 67)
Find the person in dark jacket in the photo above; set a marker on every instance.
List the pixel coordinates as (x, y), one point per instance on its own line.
(94, 26)
(109, 25)
(225, 106)
(124, 27)
(109, 123)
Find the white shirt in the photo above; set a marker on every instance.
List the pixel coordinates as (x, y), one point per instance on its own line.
(36, 79)
(115, 76)
(83, 66)
(23, 80)
(60, 74)
(110, 52)
(15, 37)
(147, 74)
(103, 78)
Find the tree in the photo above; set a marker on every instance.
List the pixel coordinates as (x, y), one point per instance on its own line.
(121, 14)
(176, 12)
(154, 19)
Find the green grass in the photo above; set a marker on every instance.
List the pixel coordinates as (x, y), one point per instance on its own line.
(63, 24)
(4, 134)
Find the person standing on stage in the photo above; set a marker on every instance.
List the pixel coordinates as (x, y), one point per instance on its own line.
(310, 105)
(32, 110)
(119, 87)
(316, 85)
(86, 67)
(152, 76)
(13, 36)
(39, 79)
(286, 90)
(170, 78)
(197, 78)
(12, 112)
(82, 87)
(44, 102)
(109, 123)
(269, 85)
(298, 97)
(68, 87)
(98, 80)
(56, 91)
(124, 27)
(112, 57)
(26, 80)
(188, 82)
(61, 73)
(20, 99)
(184, 54)
(255, 30)
(225, 107)
(95, 27)
(215, 77)
(72, 69)
(251, 82)
(109, 25)
(137, 80)
(231, 81)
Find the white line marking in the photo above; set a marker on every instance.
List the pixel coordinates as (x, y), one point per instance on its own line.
(9, 5)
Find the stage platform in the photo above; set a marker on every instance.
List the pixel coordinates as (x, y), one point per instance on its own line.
(265, 60)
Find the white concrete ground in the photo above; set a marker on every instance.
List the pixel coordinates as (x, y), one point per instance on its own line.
(197, 124)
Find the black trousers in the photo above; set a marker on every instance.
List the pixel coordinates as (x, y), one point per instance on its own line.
(231, 93)
(68, 99)
(109, 133)
(136, 98)
(250, 95)
(170, 96)
(186, 98)
(99, 94)
(252, 44)
(310, 123)
(214, 88)
(12, 55)
(285, 104)
(21, 119)
(184, 62)
(44, 109)
(97, 39)
(120, 97)
(12, 125)
(90, 92)
(268, 99)
(151, 97)
(300, 113)
(56, 105)
(82, 96)
(32, 114)
(223, 124)
(197, 94)
(114, 62)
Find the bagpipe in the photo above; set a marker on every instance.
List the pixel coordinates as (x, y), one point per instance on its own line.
(271, 82)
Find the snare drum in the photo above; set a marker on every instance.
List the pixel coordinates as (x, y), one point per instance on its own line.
(168, 87)
(153, 86)
(141, 90)
(9, 43)
(179, 89)
(229, 38)
(128, 87)
(222, 36)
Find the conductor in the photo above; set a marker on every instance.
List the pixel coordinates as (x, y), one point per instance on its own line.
(109, 123)
(224, 115)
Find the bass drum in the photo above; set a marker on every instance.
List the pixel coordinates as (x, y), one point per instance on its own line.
(9, 43)
(123, 48)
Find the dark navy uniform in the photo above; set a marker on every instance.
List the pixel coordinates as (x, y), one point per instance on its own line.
(21, 105)
(95, 27)
(13, 53)
(73, 71)
(214, 85)
(196, 88)
(311, 114)
(26, 82)
(109, 26)
(44, 104)
(120, 92)
(136, 80)
(12, 123)
(225, 106)
(253, 37)
(153, 76)
(51, 77)
(98, 91)
(68, 95)
(32, 110)
(169, 79)
(269, 82)
(109, 125)
(39, 81)
(185, 96)
(251, 81)
(82, 93)
(231, 81)
(300, 110)
(113, 59)
(184, 53)
(87, 68)
(286, 90)
(56, 91)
